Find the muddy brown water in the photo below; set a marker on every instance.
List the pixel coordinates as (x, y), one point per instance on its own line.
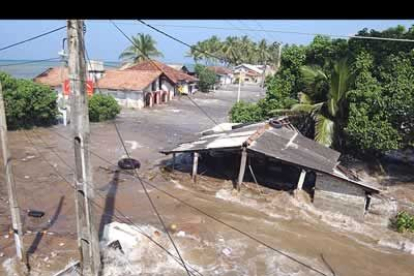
(295, 238)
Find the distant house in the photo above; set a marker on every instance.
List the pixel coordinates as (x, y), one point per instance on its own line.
(252, 73)
(224, 74)
(135, 88)
(188, 69)
(53, 77)
(174, 80)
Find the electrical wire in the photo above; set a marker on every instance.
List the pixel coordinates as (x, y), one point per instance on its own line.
(101, 196)
(203, 212)
(29, 62)
(31, 38)
(142, 183)
(288, 32)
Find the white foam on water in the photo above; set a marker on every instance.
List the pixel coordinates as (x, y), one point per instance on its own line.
(9, 267)
(403, 245)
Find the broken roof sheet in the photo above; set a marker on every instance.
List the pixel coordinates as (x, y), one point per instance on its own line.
(218, 140)
(281, 143)
(292, 147)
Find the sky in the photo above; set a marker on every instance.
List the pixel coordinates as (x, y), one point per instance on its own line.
(105, 42)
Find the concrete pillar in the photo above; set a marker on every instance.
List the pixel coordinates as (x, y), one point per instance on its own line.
(195, 166)
(242, 168)
(301, 179)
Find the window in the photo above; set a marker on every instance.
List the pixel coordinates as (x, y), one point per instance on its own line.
(154, 85)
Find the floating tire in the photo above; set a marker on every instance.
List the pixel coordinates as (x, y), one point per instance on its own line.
(129, 164)
(275, 124)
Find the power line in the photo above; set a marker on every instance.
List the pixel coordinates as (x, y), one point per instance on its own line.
(28, 62)
(201, 211)
(139, 178)
(182, 42)
(183, 202)
(287, 32)
(31, 38)
(117, 210)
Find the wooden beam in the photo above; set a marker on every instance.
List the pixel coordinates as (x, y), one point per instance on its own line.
(242, 168)
(195, 166)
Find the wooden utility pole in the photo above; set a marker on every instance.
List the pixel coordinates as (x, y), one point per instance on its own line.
(87, 235)
(11, 189)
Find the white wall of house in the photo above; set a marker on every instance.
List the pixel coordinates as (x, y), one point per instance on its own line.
(167, 86)
(127, 99)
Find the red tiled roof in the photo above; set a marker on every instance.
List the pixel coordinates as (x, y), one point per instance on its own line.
(171, 73)
(127, 79)
(220, 70)
(53, 76)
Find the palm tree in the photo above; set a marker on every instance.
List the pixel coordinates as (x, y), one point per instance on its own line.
(263, 51)
(231, 50)
(324, 99)
(144, 46)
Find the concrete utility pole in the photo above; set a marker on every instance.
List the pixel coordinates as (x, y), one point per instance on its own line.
(241, 75)
(87, 235)
(264, 75)
(279, 56)
(11, 189)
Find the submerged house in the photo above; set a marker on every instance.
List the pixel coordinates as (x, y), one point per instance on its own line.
(276, 141)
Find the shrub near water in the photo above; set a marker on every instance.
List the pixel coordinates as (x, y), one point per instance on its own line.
(243, 112)
(27, 103)
(103, 108)
(404, 222)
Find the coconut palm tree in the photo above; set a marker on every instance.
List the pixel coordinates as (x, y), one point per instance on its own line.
(144, 46)
(263, 51)
(324, 99)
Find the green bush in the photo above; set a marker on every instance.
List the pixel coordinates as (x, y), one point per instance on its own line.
(207, 78)
(27, 103)
(243, 112)
(404, 222)
(103, 108)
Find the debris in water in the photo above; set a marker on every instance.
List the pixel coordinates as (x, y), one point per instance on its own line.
(6, 236)
(116, 245)
(129, 164)
(226, 251)
(157, 233)
(181, 234)
(1, 255)
(35, 214)
(61, 244)
(26, 177)
(54, 254)
(46, 259)
(173, 227)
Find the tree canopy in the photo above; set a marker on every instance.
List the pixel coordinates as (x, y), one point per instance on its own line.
(358, 93)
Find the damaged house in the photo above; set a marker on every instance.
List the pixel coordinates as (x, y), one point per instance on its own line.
(276, 148)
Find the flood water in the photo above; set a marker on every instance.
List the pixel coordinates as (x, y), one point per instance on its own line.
(258, 231)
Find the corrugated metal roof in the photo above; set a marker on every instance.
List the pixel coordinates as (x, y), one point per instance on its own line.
(234, 138)
(292, 147)
(281, 143)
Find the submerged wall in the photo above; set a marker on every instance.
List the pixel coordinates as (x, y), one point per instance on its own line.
(335, 195)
